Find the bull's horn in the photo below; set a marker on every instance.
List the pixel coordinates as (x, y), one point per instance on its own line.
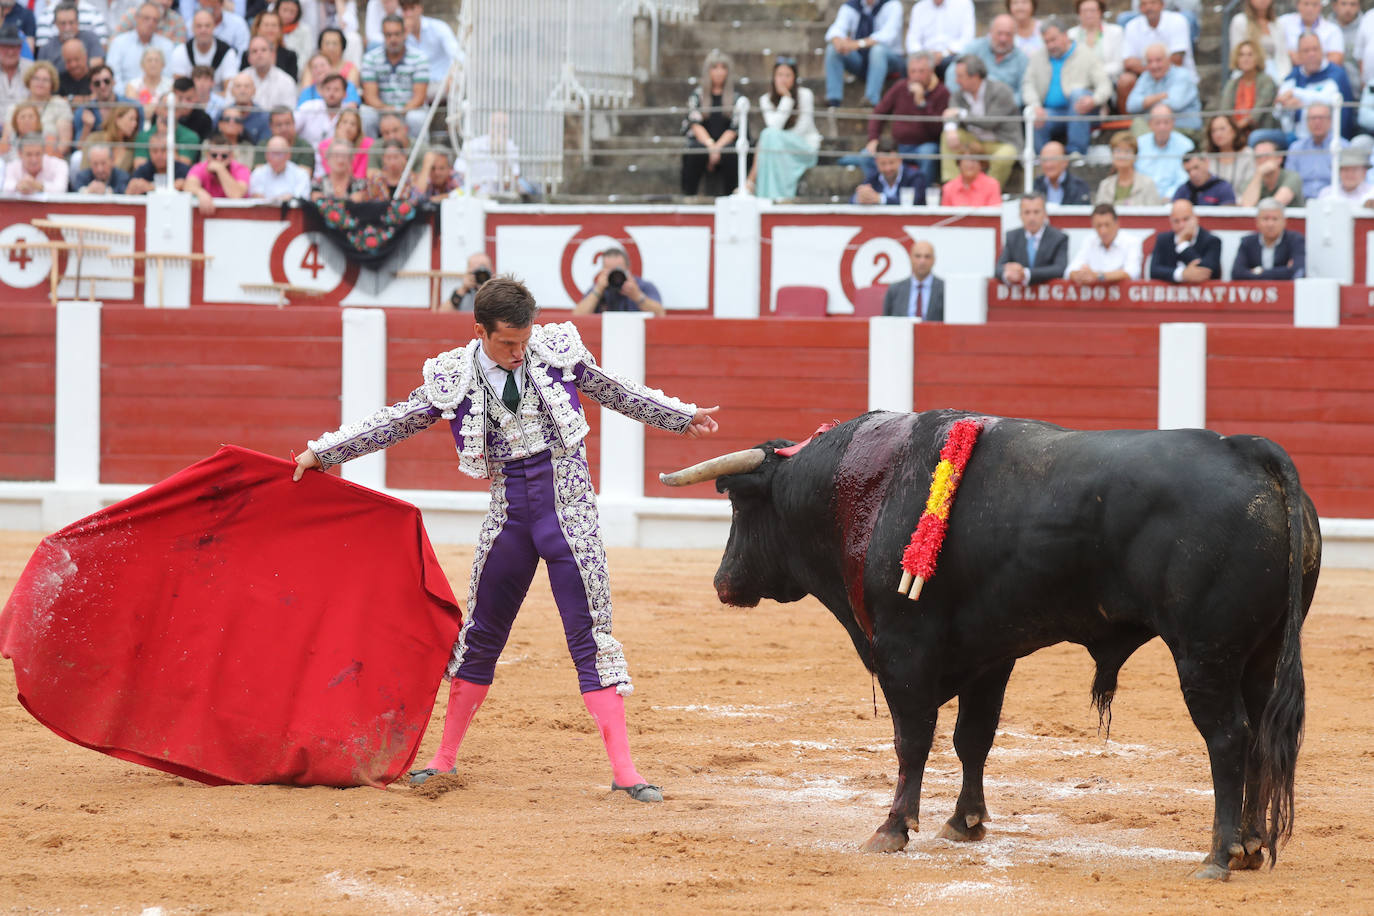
(720, 466)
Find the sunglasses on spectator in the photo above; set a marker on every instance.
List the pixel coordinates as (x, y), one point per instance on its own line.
(232, 119)
(101, 82)
(219, 154)
(786, 61)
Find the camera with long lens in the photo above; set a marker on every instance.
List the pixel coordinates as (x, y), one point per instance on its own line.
(480, 275)
(615, 279)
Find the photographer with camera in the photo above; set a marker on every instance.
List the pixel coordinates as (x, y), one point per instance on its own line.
(618, 290)
(479, 272)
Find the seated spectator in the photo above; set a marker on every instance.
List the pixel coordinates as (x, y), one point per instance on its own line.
(241, 149)
(186, 140)
(1005, 62)
(318, 71)
(1036, 252)
(789, 140)
(1307, 20)
(89, 18)
(217, 176)
(257, 124)
(1203, 189)
(971, 187)
(435, 40)
(74, 78)
(341, 18)
(1272, 179)
(921, 295)
(333, 44)
(1125, 186)
(395, 78)
(1258, 25)
(152, 172)
(941, 28)
(1026, 27)
(273, 86)
(893, 177)
(1310, 156)
(711, 128)
(1163, 83)
(1161, 151)
(53, 110)
(1250, 91)
(21, 17)
(443, 179)
(349, 127)
(1064, 80)
(12, 69)
(1352, 183)
(126, 50)
(1314, 80)
(317, 117)
(230, 27)
(920, 95)
(983, 111)
(1056, 182)
(492, 161)
(1346, 16)
(617, 289)
(1102, 38)
(1274, 252)
(267, 25)
(104, 99)
(1186, 253)
(382, 184)
(152, 83)
(205, 50)
(189, 113)
(479, 272)
(282, 122)
(119, 136)
(206, 98)
(1107, 256)
(278, 178)
(1232, 160)
(171, 25)
(338, 181)
(23, 120)
(1154, 25)
(99, 175)
(33, 171)
(296, 36)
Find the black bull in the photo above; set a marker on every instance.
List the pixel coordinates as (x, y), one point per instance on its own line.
(1105, 539)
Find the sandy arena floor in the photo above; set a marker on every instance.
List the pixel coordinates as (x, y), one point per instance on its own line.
(760, 726)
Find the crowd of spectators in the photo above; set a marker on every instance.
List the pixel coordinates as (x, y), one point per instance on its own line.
(1300, 82)
(271, 99)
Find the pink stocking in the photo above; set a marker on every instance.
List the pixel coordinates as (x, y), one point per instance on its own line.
(608, 712)
(463, 699)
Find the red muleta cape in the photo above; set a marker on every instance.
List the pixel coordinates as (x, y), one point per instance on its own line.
(232, 626)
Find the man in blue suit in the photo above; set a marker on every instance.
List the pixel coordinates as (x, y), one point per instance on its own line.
(1035, 253)
(1273, 253)
(893, 175)
(1187, 254)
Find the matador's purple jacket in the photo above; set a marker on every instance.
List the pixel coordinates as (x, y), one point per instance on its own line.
(517, 450)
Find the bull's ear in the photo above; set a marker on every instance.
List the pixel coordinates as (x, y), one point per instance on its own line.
(753, 484)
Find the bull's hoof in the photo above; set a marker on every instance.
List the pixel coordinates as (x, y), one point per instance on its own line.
(885, 840)
(959, 829)
(1211, 871)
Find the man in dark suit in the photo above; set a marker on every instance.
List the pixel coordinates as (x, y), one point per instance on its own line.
(1188, 253)
(1273, 253)
(922, 295)
(893, 176)
(1056, 182)
(1037, 251)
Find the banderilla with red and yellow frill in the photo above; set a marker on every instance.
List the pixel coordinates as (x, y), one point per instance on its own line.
(918, 560)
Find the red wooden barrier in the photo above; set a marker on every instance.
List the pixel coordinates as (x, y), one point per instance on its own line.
(1357, 305)
(27, 359)
(1313, 393)
(1135, 302)
(429, 461)
(779, 379)
(1084, 376)
(178, 384)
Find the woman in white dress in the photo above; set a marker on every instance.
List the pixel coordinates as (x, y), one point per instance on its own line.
(789, 141)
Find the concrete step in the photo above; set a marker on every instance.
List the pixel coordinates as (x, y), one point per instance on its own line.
(644, 151)
(746, 11)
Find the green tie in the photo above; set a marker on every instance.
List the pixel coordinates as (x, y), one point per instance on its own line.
(511, 395)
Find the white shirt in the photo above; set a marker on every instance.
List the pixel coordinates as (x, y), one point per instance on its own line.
(182, 62)
(1172, 32)
(1122, 254)
(125, 56)
(292, 181)
(489, 172)
(233, 31)
(1327, 31)
(315, 122)
(1355, 198)
(276, 88)
(940, 28)
(497, 375)
(887, 26)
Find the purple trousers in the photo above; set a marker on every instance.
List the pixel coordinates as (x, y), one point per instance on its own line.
(542, 507)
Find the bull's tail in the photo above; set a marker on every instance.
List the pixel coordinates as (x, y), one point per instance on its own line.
(1281, 725)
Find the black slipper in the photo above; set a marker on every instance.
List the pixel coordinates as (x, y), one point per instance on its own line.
(640, 791)
(417, 777)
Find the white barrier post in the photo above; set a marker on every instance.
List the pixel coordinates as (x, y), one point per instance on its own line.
(1182, 376)
(891, 363)
(742, 144)
(76, 407)
(1316, 302)
(167, 230)
(1028, 152)
(364, 386)
(622, 439)
(465, 233)
(739, 253)
(1330, 232)
(966, 299)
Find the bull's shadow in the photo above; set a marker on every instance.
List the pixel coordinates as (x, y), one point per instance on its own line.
(1105, 539)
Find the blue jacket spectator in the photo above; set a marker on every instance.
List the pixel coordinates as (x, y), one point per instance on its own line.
(1164, 82)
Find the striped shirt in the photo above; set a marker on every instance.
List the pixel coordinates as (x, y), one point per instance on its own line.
(395, 82)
